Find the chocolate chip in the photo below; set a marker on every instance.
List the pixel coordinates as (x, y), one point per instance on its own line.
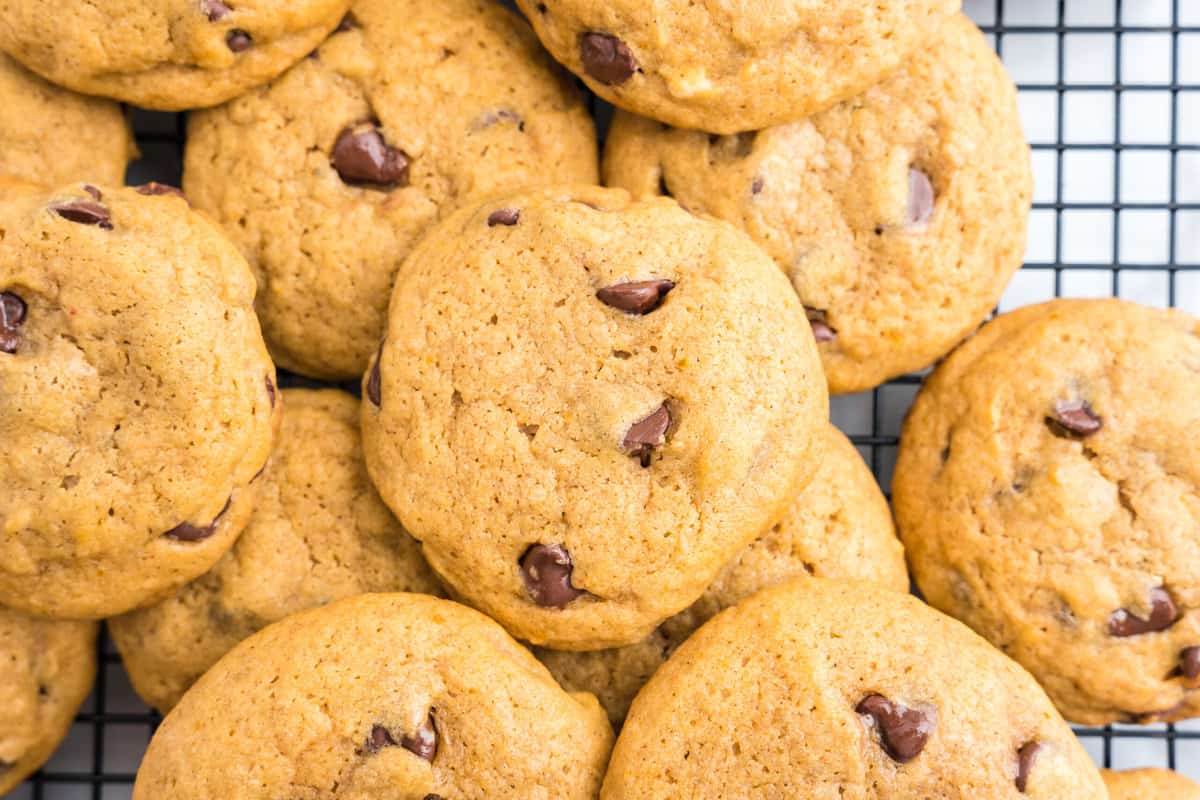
(757, 186)
(647, 434)
(93, 191)
(606, 58)
(424, 740)
(1163, 614)
(348, 23)
(547, 570)
(187, 532)
(360, 155)
(85, 212)
(490, 118)
(822, 331)
(504, 216)
(380, 738)
(214, 9)
(433, 797)
(12, 317)
(903, 731)
(155, 188)
(636, 297)
(375, 381)
(1026, 756)
(270, 390)
(920, 199)
(238, 40)
(1189, 663)
(1073, 419)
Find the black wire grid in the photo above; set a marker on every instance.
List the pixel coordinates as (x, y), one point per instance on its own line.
(1107, 67)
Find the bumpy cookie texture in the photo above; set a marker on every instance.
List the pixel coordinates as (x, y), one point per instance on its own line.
(53, 136)
(818, 688)
(899, 215)
(164, 54)
(398, 696)
(318, 533)
(328, 177)
(840, 526)
(1149, 784)
(1046, 490)
(137, 401)
(585, 413)
(46, 671)
(729, 67)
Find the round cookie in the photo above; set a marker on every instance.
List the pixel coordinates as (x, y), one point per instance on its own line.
(899, 215)
(318, 533)
(51, 136)
(586, 405)
(168, 55)
(1046, 491)
(328, 177)
(46, 671)
(137, 401)
(818, 688)
(396, 695)
(729, 67)
(1149, 784)
(840, 526)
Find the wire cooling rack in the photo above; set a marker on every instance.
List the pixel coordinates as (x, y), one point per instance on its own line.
(1110, 96)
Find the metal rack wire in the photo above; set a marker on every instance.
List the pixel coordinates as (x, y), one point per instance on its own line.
(1110, 94)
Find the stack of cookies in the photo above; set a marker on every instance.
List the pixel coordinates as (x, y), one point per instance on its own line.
(585, 481)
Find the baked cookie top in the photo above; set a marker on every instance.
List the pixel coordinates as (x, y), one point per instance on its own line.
(328, 177)
(319, 532)
(1046, 490)
(822, 688)
(137, 401)
(1149, 784)
(899, 214)
(397, 695)
(729, 67)
(839, 526)
(586, 405)
(52, 136)
(46, 671)
(169, 55)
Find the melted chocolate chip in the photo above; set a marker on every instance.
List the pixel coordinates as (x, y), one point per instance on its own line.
(433, 797)
(606, 58)
(424, 740)
(920, 199)
(636, 297)
(238, 40)
(1163, 614)
(380, 738)
(348, 23)
(1189, 663)
(214, 10)
(187, 532)
(375, 381)
(647, 434)
(12, 317)
(1073, 419)
(546, 569)
(85, 212)
(756, 186)
(361, 156)
(491, 118)
(156, 188)
(504, 216)
(270, 390)
(1026, 757)
(93, 191)
(903, 731)
(822, 331)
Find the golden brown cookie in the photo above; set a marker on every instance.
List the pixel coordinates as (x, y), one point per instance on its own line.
(840, 526)
(379, 696)
(586, 405)
(1149, 784)
(899, 215)
(137, 401)
(328, 177)
(1046, 491)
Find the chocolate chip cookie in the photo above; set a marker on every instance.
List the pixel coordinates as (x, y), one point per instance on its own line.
(53, 136)
(818, 688)
(318, 533)
(1149, 784)
(328, 177)
(385, 695)
(137, 401)
(729, 67)
(46, 671)
(840, 526)
(164, 54)
(899, 215)
(1046, 490)
(584, 406)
